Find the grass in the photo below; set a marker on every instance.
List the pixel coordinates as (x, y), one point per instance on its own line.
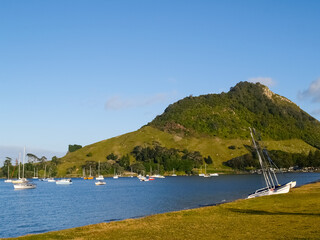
(215, 147)
(295, 215)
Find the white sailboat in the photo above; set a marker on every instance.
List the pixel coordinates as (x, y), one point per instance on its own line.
(100, 177)
(115, 176)
(173, 174)
(34, 174)
(158, 175)
(8, 180)
(205, 172)
(201, 174)
(44, 174)
(19, 180)
(24, 184)
(271, 181)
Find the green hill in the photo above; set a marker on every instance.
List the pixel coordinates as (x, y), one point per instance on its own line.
(229, 115)
(215, 125)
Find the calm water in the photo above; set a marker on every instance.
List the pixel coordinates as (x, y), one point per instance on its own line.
(53, 207)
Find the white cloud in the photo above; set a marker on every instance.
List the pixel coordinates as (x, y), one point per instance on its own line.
(263, 80)
(118, 102)
(313, 92)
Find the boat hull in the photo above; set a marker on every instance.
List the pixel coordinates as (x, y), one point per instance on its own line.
(271, 191)
(64, 182)
(100, 183)
(24, 186)
(100, 177)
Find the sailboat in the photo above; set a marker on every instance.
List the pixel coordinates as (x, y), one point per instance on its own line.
(8, 180)
(100, 177)
(34, 174)
(90, 176)
(25, 184)
(201, 174)
(44, 174)
(84, 174)
(270, 178)
(173, 174)
(19, 180)
(205, 172)
(115, 176)
(158, 175)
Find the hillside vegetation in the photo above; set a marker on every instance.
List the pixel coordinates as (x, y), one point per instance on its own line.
(229, 115)
(215, 125)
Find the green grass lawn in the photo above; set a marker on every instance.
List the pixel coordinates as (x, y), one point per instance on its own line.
(295, 215)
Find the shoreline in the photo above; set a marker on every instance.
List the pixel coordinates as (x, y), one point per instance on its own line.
(111, 224)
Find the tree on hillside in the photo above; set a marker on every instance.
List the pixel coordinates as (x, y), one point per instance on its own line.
(74, 147)
(208, 160)
(112, 156)
(124, 162)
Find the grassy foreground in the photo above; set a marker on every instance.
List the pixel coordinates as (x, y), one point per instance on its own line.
(295, 215)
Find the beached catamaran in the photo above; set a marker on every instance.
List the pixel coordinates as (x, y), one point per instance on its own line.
(269, 175)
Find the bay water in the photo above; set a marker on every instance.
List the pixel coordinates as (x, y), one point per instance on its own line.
(52, 207)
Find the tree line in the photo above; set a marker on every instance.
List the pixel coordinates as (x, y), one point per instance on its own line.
(155, 159)
(33, 165)
(280, 158)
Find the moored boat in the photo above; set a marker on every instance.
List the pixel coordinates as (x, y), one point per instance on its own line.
(51, 180)
(100, 183)
(65, 181)
(24, 185)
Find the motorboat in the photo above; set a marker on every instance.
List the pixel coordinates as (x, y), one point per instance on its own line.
(100, 177)
(24, 185)
(65, 181)
(100, 183)
(51, 180)
(214, 174)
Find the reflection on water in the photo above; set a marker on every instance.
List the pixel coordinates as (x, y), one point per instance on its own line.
(53, 207)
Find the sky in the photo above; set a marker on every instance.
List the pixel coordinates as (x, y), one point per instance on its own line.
(81, 71)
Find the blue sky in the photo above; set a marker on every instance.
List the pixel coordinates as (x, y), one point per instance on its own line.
(78, 72)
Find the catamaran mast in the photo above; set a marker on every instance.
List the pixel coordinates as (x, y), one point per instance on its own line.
(260, 161)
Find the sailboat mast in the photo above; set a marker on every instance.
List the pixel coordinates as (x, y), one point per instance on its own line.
(24, 153)
(260, 161)
(19, 165)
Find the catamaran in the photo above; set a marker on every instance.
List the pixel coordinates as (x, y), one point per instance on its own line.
(269, 175)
